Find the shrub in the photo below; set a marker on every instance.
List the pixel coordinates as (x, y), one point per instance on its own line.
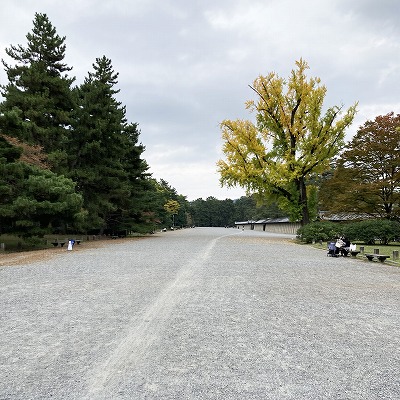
(316, 231)
(370, 231)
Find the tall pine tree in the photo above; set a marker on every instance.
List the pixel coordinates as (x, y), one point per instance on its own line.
(104, 158)
(38, 98)
(135, 211)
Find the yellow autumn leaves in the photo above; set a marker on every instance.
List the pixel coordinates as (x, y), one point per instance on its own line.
(290, 139)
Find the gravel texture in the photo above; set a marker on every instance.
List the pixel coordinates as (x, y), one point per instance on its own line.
(204, 313)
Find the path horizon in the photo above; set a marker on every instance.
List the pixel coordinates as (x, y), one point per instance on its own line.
(203, 313)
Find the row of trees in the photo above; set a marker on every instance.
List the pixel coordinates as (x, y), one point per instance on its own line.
(214, 212)
(69, 159)
(295, 154)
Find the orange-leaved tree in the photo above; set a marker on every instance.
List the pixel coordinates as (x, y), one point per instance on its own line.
(367, 175)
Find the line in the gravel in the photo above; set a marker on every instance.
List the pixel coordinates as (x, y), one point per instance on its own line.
(145, 330)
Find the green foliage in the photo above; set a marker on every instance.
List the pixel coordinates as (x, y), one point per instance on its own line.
(161, 193)
(312, 201)
(38, 99)
(316, 231)
(370, 231)
(84, 131)
(254, 208)
(102, 149)
(34, 200)
(214, 212)
(88, 143)
(8, 152)
(17, 243)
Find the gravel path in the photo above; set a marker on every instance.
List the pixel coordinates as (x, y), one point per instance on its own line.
(203, 313)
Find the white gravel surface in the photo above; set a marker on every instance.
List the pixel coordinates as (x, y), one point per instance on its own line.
(204, 313)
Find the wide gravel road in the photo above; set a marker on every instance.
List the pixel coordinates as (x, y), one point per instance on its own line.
(205, 313)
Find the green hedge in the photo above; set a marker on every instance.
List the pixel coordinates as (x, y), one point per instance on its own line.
(372, 231)
(317, 231)
(369, 231)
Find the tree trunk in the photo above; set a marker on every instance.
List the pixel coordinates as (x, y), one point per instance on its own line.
(303, 202)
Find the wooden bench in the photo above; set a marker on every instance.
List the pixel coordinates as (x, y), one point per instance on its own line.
(380, 257)
(55, 243)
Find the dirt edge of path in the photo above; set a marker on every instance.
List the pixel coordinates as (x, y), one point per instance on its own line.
(27, 257)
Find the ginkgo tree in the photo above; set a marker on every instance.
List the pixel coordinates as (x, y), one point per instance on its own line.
(291, 141)
(172, 207)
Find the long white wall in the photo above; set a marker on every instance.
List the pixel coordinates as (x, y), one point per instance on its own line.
(283, 227)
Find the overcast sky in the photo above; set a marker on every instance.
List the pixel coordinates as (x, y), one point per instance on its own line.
(184, 66)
